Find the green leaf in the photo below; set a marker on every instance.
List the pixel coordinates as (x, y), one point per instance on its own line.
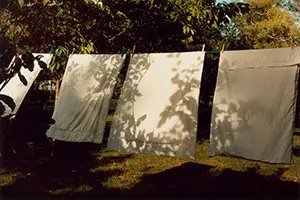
(215, 25)
(21, 3)
(58, 52)
(59, 13)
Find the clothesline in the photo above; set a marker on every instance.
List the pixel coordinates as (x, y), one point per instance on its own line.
(247, 124)
(132, 51)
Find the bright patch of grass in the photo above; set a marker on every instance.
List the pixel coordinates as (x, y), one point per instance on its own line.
(125, 171)
(7, 177)
(71, 190)
(134, 166)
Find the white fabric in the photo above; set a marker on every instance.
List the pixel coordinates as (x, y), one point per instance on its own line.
(82, 105)
(158, 105)
(254, 104)
(16, 89)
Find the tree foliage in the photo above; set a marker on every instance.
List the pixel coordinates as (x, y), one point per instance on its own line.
(105, 26)
(90, 26)
(87, 26)
(268, 24)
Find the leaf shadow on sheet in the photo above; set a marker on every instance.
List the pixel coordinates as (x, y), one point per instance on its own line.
(182, 108)
(29, 63)
(238, 123)
(88, 92)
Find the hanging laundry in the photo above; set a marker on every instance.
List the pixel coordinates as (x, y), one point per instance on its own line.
(14, 89)
(254, 104)
(82, 105)
(157, 110)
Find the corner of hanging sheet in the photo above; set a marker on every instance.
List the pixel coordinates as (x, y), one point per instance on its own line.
(203, 48)
(223, 47)
(133, 50)
(72, 53)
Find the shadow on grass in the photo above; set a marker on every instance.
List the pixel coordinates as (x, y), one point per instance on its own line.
(67, 174)
(67, 177)
(192, 180)
(296, 151)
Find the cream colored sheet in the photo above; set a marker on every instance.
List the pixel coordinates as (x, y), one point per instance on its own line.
(158, 106)
(82, 106)
(254, 104)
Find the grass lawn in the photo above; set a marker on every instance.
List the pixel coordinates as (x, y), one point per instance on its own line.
(90, 171)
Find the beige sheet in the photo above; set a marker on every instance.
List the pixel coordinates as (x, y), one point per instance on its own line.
(254, 104)
(82, 106)
(158, 106)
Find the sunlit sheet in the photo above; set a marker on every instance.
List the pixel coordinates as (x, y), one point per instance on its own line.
(82, 106)
(254, 104)
(16, 90)
(158, 106)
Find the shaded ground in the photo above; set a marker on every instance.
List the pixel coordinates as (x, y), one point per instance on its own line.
(88, 171)
(197, 180)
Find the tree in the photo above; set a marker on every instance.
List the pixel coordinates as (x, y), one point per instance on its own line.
(90, 26)
(105, 26)
(268, 24)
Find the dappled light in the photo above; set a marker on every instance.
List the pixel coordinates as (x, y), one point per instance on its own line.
(165, 121)
(158, 106)
(198, 180)
(82, 106)
(254, 105)
(14, 89)
(101, 173)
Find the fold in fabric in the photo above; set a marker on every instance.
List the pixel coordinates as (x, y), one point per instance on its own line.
(14, 92)
(158, 106)
(82, 105)
(254, 104)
